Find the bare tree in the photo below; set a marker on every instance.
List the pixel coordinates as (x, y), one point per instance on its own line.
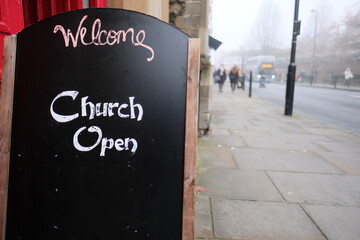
(325, 10)
(348, 41)
(265, 32)
(318, 32)
(338, 46)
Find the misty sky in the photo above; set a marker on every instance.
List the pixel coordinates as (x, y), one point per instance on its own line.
(232, 20)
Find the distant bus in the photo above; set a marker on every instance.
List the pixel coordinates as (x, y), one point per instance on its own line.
(261, 66)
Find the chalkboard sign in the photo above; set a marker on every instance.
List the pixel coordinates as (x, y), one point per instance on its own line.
(101, 104)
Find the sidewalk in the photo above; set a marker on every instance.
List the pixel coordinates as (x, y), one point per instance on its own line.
(266, 176)
(339, 86)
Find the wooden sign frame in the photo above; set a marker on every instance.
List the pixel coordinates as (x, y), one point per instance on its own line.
(6, 104)
(191, 124)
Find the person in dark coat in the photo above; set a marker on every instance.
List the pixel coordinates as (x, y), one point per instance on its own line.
(221, 77)
(234, 77)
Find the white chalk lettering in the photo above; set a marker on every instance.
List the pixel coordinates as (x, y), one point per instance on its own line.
(100, 37)
(84, 103)
(63, 118)
(111, 106)
(122, 106)
(109, 143)
(132, 109)
(106, 143)
(91, 110)
(92, 129)
(119, 143)
(104, 109)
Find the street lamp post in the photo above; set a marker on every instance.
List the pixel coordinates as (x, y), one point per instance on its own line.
(290, 82)
(313, 60)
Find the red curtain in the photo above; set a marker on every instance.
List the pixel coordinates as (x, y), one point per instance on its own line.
(36, 10)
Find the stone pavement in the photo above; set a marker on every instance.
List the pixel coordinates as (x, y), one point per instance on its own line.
(265, 176)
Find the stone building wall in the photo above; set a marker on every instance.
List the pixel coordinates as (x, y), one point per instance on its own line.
(156, 8)
(192, 17)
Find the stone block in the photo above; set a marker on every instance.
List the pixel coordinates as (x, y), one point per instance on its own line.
(337, 223)
(187, 21)
(318, 189)
(276, 160)
(235, 219)
(203, 221)
(238, 184)
(204, 91)
(204, 106)
(204, 121)
(176, 8)
(214, 156)
(348, 162)
(193, 8)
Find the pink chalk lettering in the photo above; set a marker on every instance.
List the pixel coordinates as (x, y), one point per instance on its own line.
(101, 37)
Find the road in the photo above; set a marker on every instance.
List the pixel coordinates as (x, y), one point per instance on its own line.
(338, 107)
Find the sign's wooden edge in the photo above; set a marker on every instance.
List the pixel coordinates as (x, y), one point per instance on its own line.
(6, 109)
(191, 128)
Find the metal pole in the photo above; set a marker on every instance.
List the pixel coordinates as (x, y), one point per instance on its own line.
(250, 84)
(290, 83)
(243, 74)
(242, 64)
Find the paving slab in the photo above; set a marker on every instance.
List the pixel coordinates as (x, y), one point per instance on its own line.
(294, 129)
(275, 160)
(327, 130)
(237, 184)
(337, 223)
(347, 162)
(328, 189)
(215, 156)
(234, 219)
(304, 138)
(203, 219)
(277, 121)
(230, 124)
(216, 120)
(228, 141)
(246, 132)
(274, 131)
(219, 131)
(341, 147)
(281, 143)
(350, 138)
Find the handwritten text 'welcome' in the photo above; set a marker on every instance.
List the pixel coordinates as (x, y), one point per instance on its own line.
(100, 37)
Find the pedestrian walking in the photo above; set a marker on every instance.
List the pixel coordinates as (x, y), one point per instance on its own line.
(262, 79)
(220, 77)
(348, 77)
(301, 76)
(234, 77)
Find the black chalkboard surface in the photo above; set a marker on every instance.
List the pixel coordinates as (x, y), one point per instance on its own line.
(97, 149)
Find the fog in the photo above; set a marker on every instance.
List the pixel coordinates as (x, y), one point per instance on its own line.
(329, 40)
(233, 21)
